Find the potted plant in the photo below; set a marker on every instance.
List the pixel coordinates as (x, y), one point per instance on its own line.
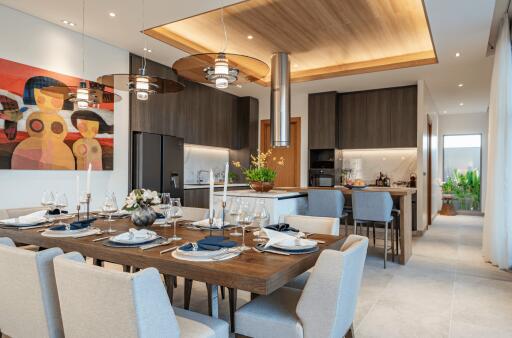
(260, 177)
(140, 202)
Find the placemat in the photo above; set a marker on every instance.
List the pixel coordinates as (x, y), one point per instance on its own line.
(110, 244)
(261, 246)
(177, 255)
(53, 234)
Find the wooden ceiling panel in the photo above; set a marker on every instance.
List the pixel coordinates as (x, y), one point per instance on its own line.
(325, 38)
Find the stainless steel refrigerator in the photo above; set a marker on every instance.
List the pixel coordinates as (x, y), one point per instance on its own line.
(158, 163)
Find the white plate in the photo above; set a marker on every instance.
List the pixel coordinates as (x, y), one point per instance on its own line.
(179, 255)
(134, 240)
(23, 224)
(67, 232)
(205, 223)
(301, 245)
(200, 253)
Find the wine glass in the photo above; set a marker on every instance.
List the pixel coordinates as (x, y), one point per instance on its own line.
(61, 202)
(48, 201)
(174, 213)
(165, 203)
(245, 219)
(110, 207)
(261, 217)
(234, 213)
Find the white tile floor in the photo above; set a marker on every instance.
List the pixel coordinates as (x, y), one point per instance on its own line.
(446, 290)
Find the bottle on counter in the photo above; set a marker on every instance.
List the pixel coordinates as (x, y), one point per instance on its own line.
(387, 181)
(380, 181)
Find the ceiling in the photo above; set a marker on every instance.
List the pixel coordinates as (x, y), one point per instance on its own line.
(325, 38)
(457, 26)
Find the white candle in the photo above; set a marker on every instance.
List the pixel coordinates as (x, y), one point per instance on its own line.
(88, 190)
(77, 189)
(211, 193)
(226, 172)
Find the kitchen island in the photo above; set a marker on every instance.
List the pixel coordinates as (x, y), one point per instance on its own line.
(277, 202)
(403, 194)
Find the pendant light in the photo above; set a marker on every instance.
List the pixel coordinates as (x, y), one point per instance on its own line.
(141, 84)
(221, 69)
(87, 93)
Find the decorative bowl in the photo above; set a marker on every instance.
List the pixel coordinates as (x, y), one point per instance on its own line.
(261, 186)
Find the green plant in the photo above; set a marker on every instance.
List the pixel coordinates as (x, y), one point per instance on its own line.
(232, 177)
(465, 186)
(259, 171)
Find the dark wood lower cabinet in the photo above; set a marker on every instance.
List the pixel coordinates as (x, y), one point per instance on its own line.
(199, 198)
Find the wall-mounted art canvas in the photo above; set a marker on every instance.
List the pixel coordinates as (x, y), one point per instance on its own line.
(42, 131)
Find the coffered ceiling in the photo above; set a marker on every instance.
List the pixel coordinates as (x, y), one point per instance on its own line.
(325, 38)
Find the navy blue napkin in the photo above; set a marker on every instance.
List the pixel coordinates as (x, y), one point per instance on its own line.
(211, 243)
(75, 225)
(281, 227)
(56, 212)
(159, 215)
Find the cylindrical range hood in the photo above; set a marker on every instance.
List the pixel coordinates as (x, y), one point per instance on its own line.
(280, 100)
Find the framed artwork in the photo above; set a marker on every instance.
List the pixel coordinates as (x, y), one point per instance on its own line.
(42, 131)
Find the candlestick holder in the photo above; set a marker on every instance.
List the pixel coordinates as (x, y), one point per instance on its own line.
(78, 212)
(88, 203)
(223, 217)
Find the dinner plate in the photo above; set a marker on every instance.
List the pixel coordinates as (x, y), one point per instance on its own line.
(68, 232)
(295, 247)
(134, 240)
(201, 253)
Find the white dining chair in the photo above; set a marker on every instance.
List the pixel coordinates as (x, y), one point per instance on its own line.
(99, 303)
(311, 224)
(326, 306)
(29, 305)
(194, 214)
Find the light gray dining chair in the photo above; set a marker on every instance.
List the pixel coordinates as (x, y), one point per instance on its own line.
(99, 303)
(327, 203)
(325, 308)
(29, 305)
(194, 214)
(374, 206)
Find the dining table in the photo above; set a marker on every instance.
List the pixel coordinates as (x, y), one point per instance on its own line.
(259, 273)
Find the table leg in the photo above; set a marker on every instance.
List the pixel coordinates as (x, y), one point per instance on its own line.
(405, 228)
(127, 268)
(97, 262)
(187, 293)
(253, 295)
(213, 300)
(169, 286)
(232, 307)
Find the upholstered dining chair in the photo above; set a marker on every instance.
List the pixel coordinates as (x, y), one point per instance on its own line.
(29, 305)
(376, 207)
(194, 214)
(327, 203)
(326, 306)
(99, 303)
(17, 212)
(314, 224)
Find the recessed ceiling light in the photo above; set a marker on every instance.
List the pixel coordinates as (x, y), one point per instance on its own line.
(461, 85)
(239, 85)
(147, 50)
(457, 54)
(72, 24)
(250, 37)
(112, 14)
(444, 111)
(461, 104)
(67, 22)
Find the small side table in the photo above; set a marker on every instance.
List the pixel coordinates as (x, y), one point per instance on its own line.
(448, 209)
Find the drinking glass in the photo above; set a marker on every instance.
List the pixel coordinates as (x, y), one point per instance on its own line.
(234, 213)
(165, 202)
(261, 218)
(173, 214)
(245, 219)
(110, 207)
(61, 202)
(48, 201)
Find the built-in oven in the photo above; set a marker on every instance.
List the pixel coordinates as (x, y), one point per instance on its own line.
(321, 178)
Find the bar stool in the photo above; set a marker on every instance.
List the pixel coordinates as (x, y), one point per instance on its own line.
(327, 203)
(374, 207)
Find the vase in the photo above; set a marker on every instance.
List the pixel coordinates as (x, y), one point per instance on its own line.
(143, 216)
(261, 186)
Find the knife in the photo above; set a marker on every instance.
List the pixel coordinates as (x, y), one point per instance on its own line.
(154, 245)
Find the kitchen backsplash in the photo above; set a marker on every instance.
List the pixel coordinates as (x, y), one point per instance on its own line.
(398, 164)
(204, 158)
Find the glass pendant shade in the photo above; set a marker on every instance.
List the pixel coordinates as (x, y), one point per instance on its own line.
(87, 94)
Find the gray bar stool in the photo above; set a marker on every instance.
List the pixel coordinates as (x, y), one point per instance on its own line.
(374, 207)
(327, 203)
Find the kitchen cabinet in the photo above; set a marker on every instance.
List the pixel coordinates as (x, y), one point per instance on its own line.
(403, 117)
(322, 119)
(200, 197)
(352, 121)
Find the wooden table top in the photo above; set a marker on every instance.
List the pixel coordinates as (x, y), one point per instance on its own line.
(394, 191)
(260, 273)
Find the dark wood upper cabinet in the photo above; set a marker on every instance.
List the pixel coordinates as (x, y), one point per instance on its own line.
(404, 117)
(352, 121)
(322, 117)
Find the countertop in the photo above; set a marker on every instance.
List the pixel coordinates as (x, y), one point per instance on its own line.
(278, 194)
(207, 186)
(394, 191)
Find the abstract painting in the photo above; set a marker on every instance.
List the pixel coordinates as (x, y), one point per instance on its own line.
(41, 130)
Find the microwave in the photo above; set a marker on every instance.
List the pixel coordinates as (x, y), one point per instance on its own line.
(321, 178)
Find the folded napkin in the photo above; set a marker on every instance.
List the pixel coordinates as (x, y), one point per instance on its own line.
(210, 243)
(30, 219)
(134, 233)
(159, 215)
(75, 225)
(205, 223)
(277, 237)
(281, 227)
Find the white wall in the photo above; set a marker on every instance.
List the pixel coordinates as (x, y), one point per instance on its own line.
(198, 158)
(476, 123)
(37, 43)
(427, 110)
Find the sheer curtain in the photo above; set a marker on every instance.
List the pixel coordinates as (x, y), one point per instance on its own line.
(497, 237)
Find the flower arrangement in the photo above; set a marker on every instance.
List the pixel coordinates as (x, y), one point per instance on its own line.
(141, 198)
(259, 173)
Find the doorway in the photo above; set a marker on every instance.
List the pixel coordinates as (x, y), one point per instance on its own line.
(289, 174)
(429, 174)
